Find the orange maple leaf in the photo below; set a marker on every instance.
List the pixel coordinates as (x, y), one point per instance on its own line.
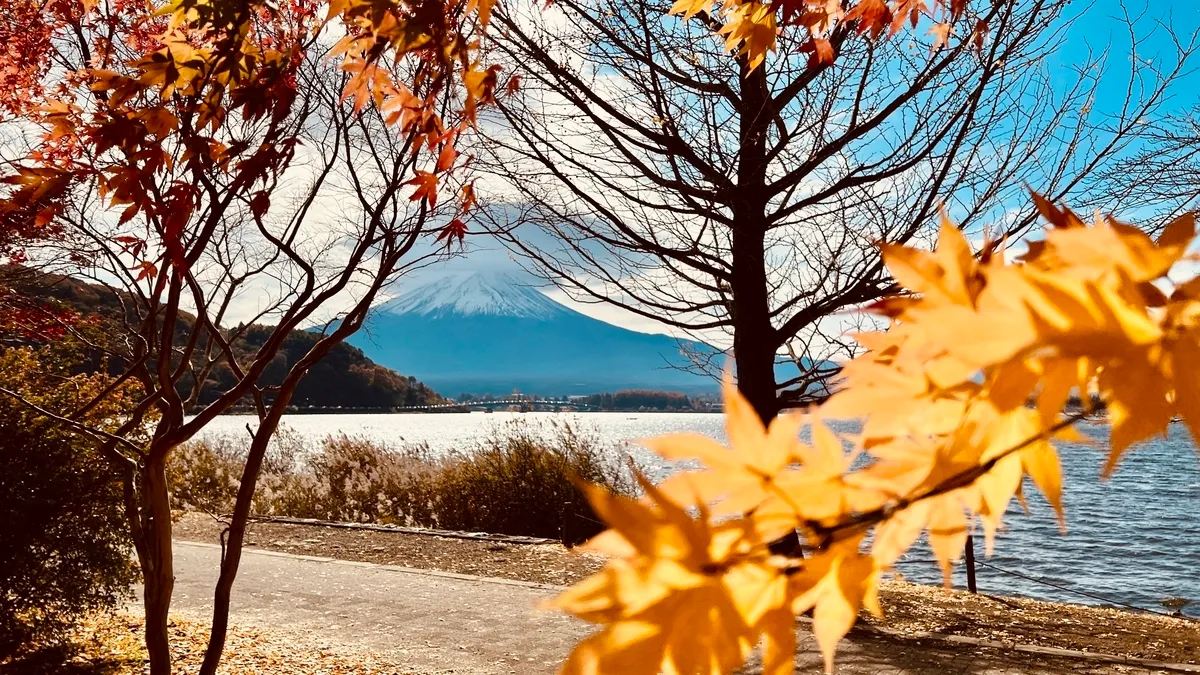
(941, 35)
(910, 11)
(427, 184)
(467, 197)
(873, 17)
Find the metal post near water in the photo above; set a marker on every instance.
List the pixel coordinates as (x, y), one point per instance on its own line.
(970, 555)
(564, 530)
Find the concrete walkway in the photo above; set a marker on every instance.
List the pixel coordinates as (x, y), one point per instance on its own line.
(433, 622)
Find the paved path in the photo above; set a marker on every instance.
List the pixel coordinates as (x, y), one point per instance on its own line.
(433, 622)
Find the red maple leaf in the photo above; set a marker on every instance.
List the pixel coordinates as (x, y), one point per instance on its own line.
(455, 229)
(427, 184)
(513, 85)
(873, 17)
(820, 52)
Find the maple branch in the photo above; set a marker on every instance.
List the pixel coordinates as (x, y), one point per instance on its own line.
(859, 523)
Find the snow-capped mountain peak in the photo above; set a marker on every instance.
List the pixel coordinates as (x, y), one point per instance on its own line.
(471, 293)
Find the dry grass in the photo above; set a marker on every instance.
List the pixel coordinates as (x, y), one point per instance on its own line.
(111, 644)
(517, 481)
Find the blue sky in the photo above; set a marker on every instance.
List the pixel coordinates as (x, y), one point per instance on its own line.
(1101, 24)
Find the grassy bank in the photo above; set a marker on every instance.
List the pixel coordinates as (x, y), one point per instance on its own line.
(516, 481)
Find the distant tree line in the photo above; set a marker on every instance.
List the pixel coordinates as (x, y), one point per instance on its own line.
(635, 399)
(626, 399)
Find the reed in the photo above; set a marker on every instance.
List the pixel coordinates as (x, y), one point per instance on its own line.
(518, 480)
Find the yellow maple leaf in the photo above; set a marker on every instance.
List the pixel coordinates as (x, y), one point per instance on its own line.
(680, 595)
(1108, 245)
(1182, 325)
(943, 276)
(768, 473)
(959, 399)
(690, 8)
(733, 480)
(750, 31)
(836, 583)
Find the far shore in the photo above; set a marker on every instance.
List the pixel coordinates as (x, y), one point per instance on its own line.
(443, 411)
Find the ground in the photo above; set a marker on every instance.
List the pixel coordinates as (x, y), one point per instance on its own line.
(413, 604)
(111, 644)
(425, 622)
(910, 609)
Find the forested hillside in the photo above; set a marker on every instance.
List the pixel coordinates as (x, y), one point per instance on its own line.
(346, 378)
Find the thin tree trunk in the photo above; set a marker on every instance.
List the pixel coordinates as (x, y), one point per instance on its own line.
(236, 534)
(159, 581)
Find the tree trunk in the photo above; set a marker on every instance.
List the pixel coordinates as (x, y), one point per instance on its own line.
(159, 574)
(753, 335)
(231, 554)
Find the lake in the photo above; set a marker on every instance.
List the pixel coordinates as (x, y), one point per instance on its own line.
(1133, 539)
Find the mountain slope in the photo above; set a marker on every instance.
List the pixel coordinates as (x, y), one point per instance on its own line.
(490, 333)
(344, 378)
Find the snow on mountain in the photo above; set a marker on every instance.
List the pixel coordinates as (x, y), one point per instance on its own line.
(470, 293)
(483, 332)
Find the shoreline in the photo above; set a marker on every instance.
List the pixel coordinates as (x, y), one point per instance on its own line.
(378, 411)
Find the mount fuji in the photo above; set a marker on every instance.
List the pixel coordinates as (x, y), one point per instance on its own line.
(491, 332)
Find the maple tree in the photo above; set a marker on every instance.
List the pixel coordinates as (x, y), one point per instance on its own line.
(738, 202)
(181, 151)
(750, 28)
(206, 158)
(958, 399)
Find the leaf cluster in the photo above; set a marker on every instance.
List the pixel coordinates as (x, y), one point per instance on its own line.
(750, 27)
(959, 400)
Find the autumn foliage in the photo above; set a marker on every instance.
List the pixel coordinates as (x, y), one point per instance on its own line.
(749, 27)
(149, 142)
(960, 398)
(150, 87)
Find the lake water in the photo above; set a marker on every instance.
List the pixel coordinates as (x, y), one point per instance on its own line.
(1133, 539)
